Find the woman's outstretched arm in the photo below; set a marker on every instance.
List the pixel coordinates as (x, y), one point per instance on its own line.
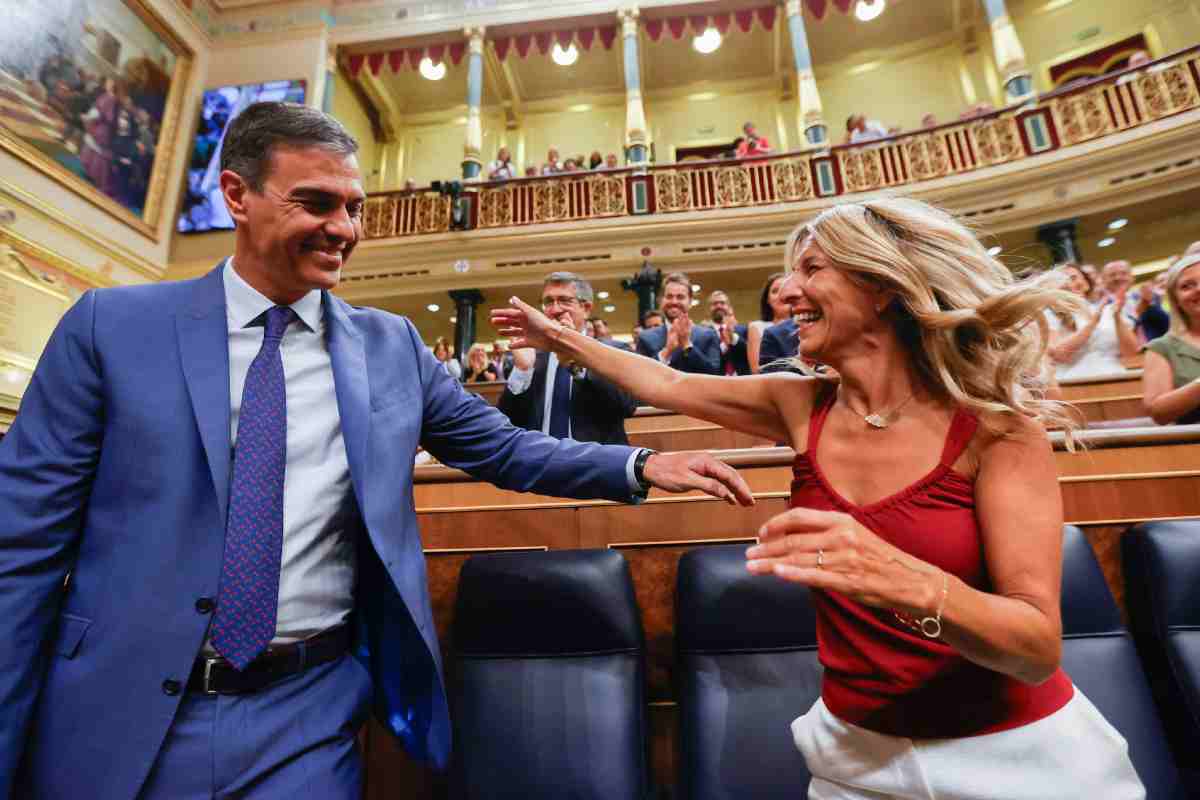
(748, 404)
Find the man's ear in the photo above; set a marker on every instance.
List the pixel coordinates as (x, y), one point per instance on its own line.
(234, 189)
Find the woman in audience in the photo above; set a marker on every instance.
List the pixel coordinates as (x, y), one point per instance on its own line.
(441, 351)
(596, 161)
(937, 600)
(1171, 377)
(771, 311)
(479, 369)
(1093, 342)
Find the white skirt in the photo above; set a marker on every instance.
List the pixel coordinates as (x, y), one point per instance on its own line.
(1073, 753)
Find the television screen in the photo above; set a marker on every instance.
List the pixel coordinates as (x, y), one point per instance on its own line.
(203, 207)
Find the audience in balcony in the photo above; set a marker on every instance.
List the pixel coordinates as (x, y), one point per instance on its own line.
(552, 164)
(1171, 375)
(546, 395)
(441, 351)
(860, 129)
(732, 334)
(531, 171)
(977, 110)
(772, 310)
(502, 168)
(479, 369)
(752, 144)
(1090, 343)
(570, 165)
(596, 161)
(680, 343)
(611, 162)
(928, 120)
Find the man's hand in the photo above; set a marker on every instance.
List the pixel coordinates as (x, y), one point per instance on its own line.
(683, 472)
(523, 358)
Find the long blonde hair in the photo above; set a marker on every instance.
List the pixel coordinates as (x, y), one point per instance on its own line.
(977, 335)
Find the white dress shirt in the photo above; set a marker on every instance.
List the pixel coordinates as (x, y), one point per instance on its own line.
(519, 382)
(316, 579)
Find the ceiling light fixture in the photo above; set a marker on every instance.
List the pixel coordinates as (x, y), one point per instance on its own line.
(567, 57)
(1117, 224)
(708, 41)
(580, 107)
(702, 96)
(1107, 241)
(454, 319)
(867, 10)
(430, 71)
(602, 295)
(695, 287)
(610, 309)
(994, 251)
(434, 307)
(695, 302)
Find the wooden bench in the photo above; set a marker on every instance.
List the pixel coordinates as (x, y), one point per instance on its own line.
(1106, 397)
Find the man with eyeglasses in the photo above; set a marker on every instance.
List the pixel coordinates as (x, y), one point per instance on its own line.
(544, 395)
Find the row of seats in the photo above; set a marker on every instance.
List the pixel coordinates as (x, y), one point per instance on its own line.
(548, 674)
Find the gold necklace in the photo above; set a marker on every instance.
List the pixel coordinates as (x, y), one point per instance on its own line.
(883, 420)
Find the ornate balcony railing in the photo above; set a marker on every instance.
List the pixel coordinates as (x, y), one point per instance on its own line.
(1069, 116)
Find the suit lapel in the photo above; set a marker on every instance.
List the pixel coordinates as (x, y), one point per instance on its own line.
(537, 390)
(203, 334)
(348, 356)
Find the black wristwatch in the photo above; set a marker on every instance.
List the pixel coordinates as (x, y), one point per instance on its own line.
(639, 467)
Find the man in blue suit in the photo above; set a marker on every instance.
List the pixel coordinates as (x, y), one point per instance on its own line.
(731, 333)
(680, 343)
(210, 569)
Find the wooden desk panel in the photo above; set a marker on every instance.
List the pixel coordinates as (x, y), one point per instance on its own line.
(1103, 386)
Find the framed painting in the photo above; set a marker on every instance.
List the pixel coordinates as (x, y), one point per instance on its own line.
(90, 94)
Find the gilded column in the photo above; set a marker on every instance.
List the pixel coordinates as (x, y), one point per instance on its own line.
(811, 115)
(472, 162)
(1010, 56)
(636, 150)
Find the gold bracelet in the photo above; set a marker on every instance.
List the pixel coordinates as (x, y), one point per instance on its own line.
(929, 627)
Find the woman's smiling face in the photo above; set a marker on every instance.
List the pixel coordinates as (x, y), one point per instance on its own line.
(833, 311)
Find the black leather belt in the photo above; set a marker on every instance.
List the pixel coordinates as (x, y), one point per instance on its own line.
(217, 676)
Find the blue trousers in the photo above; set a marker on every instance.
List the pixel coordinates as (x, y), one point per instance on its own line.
(295, 738)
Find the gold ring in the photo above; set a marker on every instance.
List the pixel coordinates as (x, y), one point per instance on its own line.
(820, 559)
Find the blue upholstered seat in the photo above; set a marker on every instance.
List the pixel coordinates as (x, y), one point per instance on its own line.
(548, 697)
(1162, 594)
(1101, 659)
(747, 666)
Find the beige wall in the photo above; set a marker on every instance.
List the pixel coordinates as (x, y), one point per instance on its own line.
(1083, 25)
(347, 107)
(678, 121)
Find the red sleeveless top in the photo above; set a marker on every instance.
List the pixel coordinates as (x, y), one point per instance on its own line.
(881, 675)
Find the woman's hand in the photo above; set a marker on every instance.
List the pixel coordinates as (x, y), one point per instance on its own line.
(830, 550)
(525, 325)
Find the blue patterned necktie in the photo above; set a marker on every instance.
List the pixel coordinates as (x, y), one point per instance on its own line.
(249, 594)
(560, 404)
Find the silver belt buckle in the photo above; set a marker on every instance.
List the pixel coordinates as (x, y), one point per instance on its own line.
(208, 665)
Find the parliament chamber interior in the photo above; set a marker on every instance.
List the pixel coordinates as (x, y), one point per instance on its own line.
(624, 152)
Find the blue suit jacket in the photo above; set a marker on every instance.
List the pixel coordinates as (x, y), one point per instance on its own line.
(116, 472)
(778, 341)
(705, 355)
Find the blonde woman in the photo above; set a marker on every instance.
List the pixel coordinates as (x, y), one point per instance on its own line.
(479, 369)
(937, 604)
(1093, 342)
(1171, 376)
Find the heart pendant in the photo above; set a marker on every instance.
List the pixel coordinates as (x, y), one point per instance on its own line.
(875, 421)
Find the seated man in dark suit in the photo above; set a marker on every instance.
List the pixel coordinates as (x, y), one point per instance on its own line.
(543, 395)
(680, 344)
(732, 333)
(603, 334)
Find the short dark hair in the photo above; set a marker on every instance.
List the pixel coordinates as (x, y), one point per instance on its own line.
(679, 277)
(252, 137)
(583, 289)
(647, 314)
